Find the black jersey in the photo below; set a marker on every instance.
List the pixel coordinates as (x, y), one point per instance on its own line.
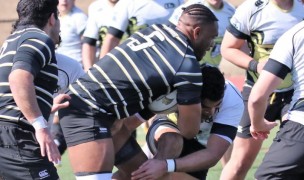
(32, 50)
(150, 63)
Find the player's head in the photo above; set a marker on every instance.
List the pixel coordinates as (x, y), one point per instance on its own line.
(65, 6)
(35, 13)
(212, 91)
(199, 24)
(42, 14)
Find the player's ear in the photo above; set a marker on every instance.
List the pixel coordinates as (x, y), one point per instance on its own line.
(52, 19)
(196, 32)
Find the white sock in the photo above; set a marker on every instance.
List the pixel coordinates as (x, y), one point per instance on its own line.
(103, 176)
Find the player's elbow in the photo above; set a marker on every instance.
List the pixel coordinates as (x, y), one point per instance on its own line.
(189, 133)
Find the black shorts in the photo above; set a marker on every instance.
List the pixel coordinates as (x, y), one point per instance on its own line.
(20, 156)
(278, 105)
(81, 123)
(285, 158)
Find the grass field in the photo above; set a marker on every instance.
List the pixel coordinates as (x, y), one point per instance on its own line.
(65, 171)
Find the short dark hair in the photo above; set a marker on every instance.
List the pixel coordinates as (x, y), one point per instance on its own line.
(213, 83)
(35, 12)
(200, 13)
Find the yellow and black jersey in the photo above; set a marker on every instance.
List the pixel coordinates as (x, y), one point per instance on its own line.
(261, 23)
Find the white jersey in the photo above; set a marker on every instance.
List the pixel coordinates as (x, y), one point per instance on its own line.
(69, 71)
(230, 113)
(262, 22)
(289, 51)
(100, 16)
(142, 13)
(72, 26)
(224, 14)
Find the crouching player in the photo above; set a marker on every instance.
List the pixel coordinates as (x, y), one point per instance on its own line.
(222, 109)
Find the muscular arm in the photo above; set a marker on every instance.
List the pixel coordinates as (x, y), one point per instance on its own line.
(189, 120)
(257, 102)
(88, 56)
(231, 51)
(108, 44)
(216, 147)
(23, 90)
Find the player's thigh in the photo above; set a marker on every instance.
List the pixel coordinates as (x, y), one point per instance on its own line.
(285, 158)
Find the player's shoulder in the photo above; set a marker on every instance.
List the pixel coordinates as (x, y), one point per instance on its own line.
(232, 92)
(253, 6)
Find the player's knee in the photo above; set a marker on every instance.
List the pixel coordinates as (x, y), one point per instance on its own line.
(169, 137)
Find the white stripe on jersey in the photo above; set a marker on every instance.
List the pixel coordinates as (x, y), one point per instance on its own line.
(84, 89)
(37, 50)
(164, 60)
(45, 45)
(130, 79)
(8, 53)
(104, 89)
(85, 100)
(6, 64)
(12, 107)
(160, 72)
(188, 74)
(186, 82)
(136, 69)
(169, 40)
(49, 74)
(47, 103)
(44, 91)
(9, 117)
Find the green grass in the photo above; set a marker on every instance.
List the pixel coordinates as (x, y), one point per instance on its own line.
(65, 171)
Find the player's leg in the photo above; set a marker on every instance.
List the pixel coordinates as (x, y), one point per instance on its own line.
(245, 148)
(128, 153)
(285, 158)
(226, 156)
(88, 136)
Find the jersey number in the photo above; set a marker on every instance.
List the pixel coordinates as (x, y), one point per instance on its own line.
(135, 45)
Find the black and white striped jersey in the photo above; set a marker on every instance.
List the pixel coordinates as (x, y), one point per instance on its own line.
(32, 50)
(150, 63)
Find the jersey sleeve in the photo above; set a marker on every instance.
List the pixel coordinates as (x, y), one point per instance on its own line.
(33, 54)
(229, 115)
(188, 81)
(120, 19)
(81, 22)
(240, 21)
(283, 49)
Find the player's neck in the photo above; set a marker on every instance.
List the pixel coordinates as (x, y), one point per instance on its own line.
(284, 4)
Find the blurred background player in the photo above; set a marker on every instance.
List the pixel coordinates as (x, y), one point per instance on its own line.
(73, 22)
(249, 24)
(223, 11)
(222, 110)
(100, 15)
(132, 15)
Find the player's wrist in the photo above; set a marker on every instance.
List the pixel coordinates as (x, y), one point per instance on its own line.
(39, 123)
(171, 165)
(253, 65)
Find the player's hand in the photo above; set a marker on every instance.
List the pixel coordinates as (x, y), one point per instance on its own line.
(58, 102)
(47, 145)
(151, 169)
(261, 130)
